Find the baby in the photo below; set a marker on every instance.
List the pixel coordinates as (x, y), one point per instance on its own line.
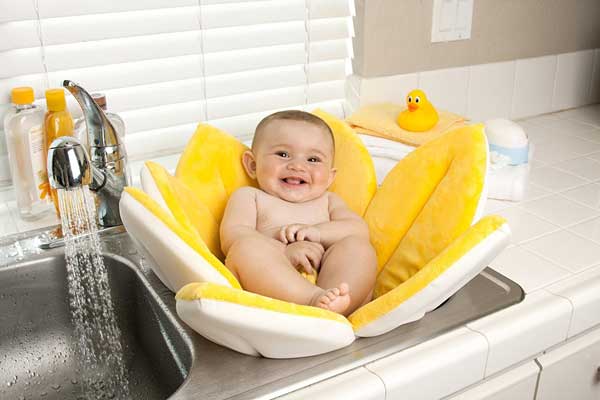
(292, 222)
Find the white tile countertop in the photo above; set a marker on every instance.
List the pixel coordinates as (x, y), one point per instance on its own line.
(554, 256)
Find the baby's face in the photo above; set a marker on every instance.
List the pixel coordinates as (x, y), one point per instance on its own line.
(293, 160)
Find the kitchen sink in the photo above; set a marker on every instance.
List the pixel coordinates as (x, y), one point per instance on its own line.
(38, 348)
(164, 357)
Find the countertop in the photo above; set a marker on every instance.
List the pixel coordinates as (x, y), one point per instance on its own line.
(554, 256)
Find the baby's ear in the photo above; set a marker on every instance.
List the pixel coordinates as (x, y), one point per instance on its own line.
(249, 163)
(332, 174)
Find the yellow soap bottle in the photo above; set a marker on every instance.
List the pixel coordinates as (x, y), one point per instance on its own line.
(57, 122)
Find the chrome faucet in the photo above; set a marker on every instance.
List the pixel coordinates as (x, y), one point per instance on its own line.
(105, 170)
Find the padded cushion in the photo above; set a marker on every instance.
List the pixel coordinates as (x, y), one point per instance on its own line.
(211, 166)
(186, 207)
(425, 203)
(258, 325)
(180, 254)
(355, 180)
(435, 282)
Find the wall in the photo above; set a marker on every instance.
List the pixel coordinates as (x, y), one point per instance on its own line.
(394, 36)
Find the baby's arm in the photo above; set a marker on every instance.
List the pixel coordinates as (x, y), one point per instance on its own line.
(239, 219)
(343, 223)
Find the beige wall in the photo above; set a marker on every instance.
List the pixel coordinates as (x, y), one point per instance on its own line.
(394, 36)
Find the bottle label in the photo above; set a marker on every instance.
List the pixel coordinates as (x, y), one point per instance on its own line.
(38, 162)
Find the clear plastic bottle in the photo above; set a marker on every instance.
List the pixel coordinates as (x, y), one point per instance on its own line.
(57, 122)
(23, 126)
(117, 121)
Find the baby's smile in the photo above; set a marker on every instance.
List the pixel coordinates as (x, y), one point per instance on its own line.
(294, 181)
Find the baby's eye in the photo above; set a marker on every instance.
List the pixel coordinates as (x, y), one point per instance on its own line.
(283, 154)
(314, 159)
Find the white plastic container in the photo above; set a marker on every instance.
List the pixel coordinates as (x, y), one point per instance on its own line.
(23, 126)
(510, 152)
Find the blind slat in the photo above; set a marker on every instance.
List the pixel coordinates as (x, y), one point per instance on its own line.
(87, 28)
(65, 8)
(163, 116)
(164, 140)
(155, 95)
(251, 13)
(248, 59)
(23, 34)
(133, 74)
(248, 103)
(114, 51)
(16, 11)
(330, 8)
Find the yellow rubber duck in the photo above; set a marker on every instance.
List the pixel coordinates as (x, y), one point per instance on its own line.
(420, 115)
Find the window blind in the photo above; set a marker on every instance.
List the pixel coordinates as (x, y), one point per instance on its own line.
(166, 65)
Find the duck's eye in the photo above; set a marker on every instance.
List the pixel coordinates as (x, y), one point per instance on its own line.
(409, 99)
(314, 159)
(417, 99)
(283, 154)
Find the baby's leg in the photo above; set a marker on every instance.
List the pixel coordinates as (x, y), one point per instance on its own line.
(261, 266)
(352, 260)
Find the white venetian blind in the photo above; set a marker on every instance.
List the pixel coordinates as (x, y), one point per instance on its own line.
(166, 65)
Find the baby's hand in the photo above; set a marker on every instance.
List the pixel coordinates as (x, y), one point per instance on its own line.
(297, 232)
(306, 255)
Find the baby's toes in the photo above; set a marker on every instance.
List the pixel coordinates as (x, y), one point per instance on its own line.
(325, 299)
(344, 289)
(330, 295)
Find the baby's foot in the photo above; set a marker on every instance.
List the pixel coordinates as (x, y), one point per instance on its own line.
(334, 299)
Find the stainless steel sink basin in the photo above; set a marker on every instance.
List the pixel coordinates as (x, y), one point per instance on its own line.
(164, 356)
(38, 357)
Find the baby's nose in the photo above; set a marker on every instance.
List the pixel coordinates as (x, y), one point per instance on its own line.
(296, 165)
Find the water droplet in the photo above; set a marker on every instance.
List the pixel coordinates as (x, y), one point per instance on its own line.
(55, 387)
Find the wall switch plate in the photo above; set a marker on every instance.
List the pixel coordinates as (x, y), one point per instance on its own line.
(451, 20)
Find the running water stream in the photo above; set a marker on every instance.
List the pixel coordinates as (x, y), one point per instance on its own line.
(103, 372)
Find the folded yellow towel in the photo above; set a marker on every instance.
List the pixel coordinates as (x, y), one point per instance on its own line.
(380, 120)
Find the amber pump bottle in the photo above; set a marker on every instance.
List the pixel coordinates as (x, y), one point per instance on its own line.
(57, 122)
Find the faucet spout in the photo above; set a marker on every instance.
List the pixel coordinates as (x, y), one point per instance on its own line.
(101, 132)
(107, 158)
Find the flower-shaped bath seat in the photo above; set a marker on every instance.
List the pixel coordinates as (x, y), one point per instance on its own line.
(423, 220)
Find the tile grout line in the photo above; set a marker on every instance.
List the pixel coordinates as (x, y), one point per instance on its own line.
(562, 267)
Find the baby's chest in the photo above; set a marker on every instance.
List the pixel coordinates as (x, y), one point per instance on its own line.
(272, 214)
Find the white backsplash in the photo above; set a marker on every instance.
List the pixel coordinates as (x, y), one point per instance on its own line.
(512, 89)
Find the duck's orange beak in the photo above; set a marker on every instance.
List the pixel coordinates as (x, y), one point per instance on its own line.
(412, 107)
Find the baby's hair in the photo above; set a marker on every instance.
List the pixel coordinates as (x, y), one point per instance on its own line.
(293, 115)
